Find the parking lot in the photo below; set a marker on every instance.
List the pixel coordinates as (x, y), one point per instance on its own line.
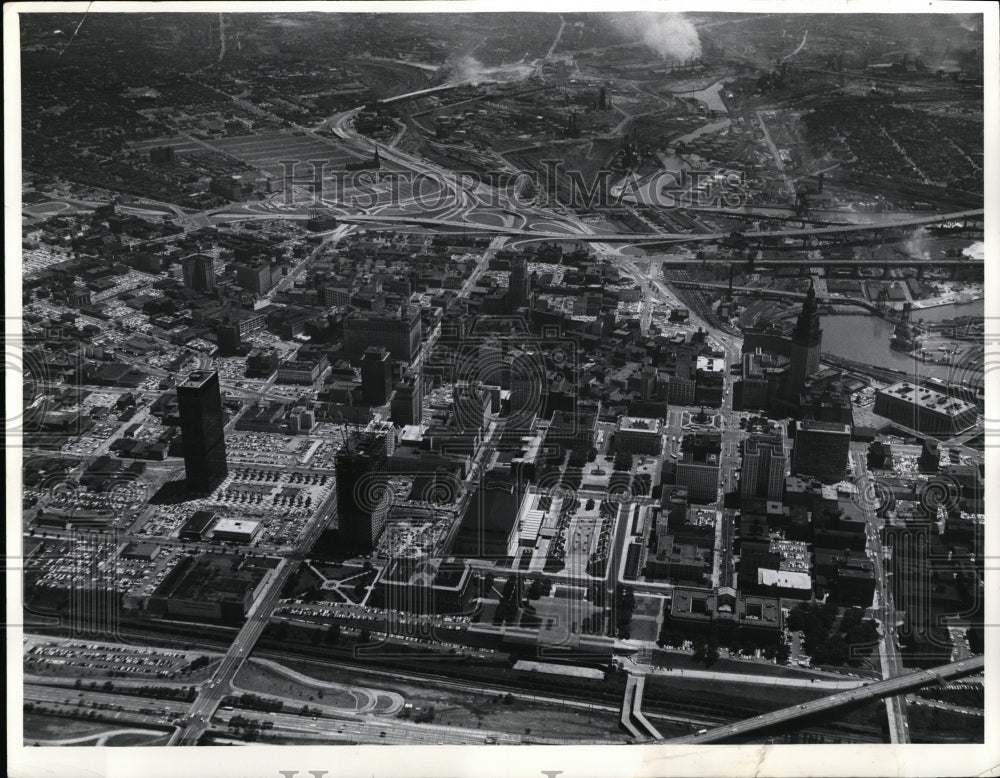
(67, 657)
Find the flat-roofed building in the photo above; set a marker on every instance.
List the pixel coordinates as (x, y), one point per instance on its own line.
(208, 588)
(530, 516)
(710, 364)
(407, 403)
(639, 436)
(763, 471)
(424, 586)
(701, 479)
(301, 371)
(145, 552)
(678, 561)
(401, 334)
(924, 409)
(256, 277)
(196, 527)
(199, 272)
(821, 450)
(785, 583)
(705, 606)
(236, 530)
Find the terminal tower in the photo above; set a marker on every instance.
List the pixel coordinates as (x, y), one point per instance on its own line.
(807, 340)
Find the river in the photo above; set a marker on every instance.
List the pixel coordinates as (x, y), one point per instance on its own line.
(953, 311)
(865, 338)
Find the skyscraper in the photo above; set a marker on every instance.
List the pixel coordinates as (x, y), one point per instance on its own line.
(807, 342)
(763, 472)
(199, 273)
(400, 334)
(363, 497)
(256, 277)
(472, 405)
(821, 450)
(202, 431)
(376, 376)
(520, 283)
(407, 404)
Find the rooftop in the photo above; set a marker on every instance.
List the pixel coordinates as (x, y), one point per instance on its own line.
(236, 525)
(928, 398)
(198, 378)
(638, 424)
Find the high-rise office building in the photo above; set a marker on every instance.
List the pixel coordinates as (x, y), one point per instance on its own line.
(229, 339)
(408, 402)
(699, 477)
(519, 292)
(376, 376)
(807, 343)
(763, 472)
(472, 405)
(401, 334)
(821, 450)
(699, 467)
(202, 431)
(256, 277)
(363, 492)
(199, 272)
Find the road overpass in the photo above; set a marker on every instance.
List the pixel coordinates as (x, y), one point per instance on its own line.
(900, 684)
(671, 237)
(899, 261)
(775, 294)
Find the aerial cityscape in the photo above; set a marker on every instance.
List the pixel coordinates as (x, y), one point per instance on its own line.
(502, 378)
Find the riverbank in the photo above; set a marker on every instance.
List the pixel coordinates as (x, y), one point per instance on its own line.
(938, 302)
(866, 339)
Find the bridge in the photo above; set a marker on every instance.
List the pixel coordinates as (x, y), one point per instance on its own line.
(632, 718)
(900, 260)
(776, 294)
(670, 237)
(423, 92)
(901, 684)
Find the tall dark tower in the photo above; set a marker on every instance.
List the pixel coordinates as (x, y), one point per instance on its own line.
(376, 376)
(407, 403)
(363, 494)
(199, 274)
(202, 431)
(520, 283)
(807, 342)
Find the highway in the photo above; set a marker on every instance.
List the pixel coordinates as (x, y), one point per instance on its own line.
(818, 682)
(90, 698)
(386, 731)
(873, 691)
(672, 237)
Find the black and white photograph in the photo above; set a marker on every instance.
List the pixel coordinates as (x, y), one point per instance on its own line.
(528, 378)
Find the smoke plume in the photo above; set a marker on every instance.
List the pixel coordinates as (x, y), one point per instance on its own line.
(671, 35)
(467, 69)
